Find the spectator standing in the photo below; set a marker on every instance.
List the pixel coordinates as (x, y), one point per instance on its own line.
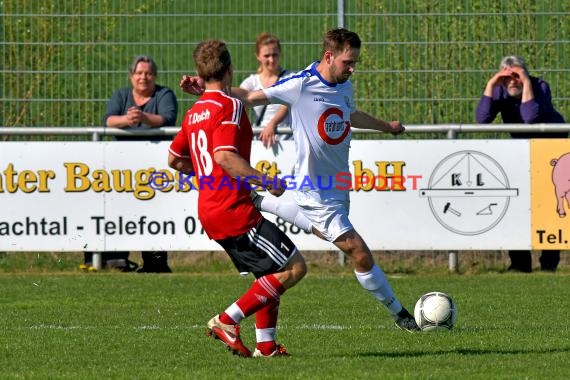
(269, 116)
(522, 99)
(215, 144)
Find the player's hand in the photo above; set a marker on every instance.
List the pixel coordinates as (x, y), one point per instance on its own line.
(192, 85)
(279, 190)
(268, 137)
(396, 127)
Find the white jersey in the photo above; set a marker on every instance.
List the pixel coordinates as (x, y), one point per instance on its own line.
(253, 83)
(320, 115)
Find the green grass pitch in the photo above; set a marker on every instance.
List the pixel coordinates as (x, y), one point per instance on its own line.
(132, 326)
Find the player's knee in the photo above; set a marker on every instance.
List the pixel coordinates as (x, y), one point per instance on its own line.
(352, 244)
(362, 260)
(297, 269)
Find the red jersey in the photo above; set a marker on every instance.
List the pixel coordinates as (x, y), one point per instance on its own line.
(214, 123)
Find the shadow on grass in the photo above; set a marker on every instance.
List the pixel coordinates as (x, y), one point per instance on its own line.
(464, 351)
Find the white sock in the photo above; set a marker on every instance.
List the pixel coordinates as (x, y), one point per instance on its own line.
(376, 283)
(289, 211)
(235, 312)
(265, 335)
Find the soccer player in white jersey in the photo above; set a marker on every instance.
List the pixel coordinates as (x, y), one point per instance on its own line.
(320, 99)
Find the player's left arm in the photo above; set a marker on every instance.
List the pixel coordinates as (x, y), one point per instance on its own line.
(363, 120)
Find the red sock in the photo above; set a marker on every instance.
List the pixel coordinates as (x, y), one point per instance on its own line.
(265, 291)
(266, 348)
(266, 318)
(224, 318)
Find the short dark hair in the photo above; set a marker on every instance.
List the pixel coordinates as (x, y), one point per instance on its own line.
(339, 39)
(212, 59)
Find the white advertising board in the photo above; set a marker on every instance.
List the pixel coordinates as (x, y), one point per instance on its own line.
(428, 194)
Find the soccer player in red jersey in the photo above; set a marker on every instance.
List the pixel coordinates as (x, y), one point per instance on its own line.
(320, 99)
(214, 143)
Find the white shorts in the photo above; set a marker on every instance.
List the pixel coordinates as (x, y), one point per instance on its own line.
(327, 211)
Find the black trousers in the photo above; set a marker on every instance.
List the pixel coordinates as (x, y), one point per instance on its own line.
(153, 261)
(522, 260)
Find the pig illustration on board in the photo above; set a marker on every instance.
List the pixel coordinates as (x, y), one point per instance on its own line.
(561, 181)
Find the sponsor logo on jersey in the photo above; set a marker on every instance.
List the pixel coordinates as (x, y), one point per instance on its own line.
(332, 127)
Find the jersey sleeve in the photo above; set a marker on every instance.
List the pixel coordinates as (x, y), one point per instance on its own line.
(226, 134)
(287, 91)
(180, 146)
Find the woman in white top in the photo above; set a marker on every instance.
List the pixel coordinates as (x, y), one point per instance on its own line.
(271, 116)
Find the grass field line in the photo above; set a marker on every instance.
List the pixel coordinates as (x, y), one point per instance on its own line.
(315, 327)
(306, 327)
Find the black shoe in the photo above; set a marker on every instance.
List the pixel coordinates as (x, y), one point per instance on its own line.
(147, 269)
(256, 198)
(548, 268)
(130, 267)
(155, 262)
(405, 321)
(513, 268)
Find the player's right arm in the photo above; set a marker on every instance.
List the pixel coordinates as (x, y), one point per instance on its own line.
(250, 98)
(237, 167)
(192, 85)
(179, 152)
(182, 164)
(195, 85)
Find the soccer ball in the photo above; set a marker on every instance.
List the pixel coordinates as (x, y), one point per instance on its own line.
(435, 311)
